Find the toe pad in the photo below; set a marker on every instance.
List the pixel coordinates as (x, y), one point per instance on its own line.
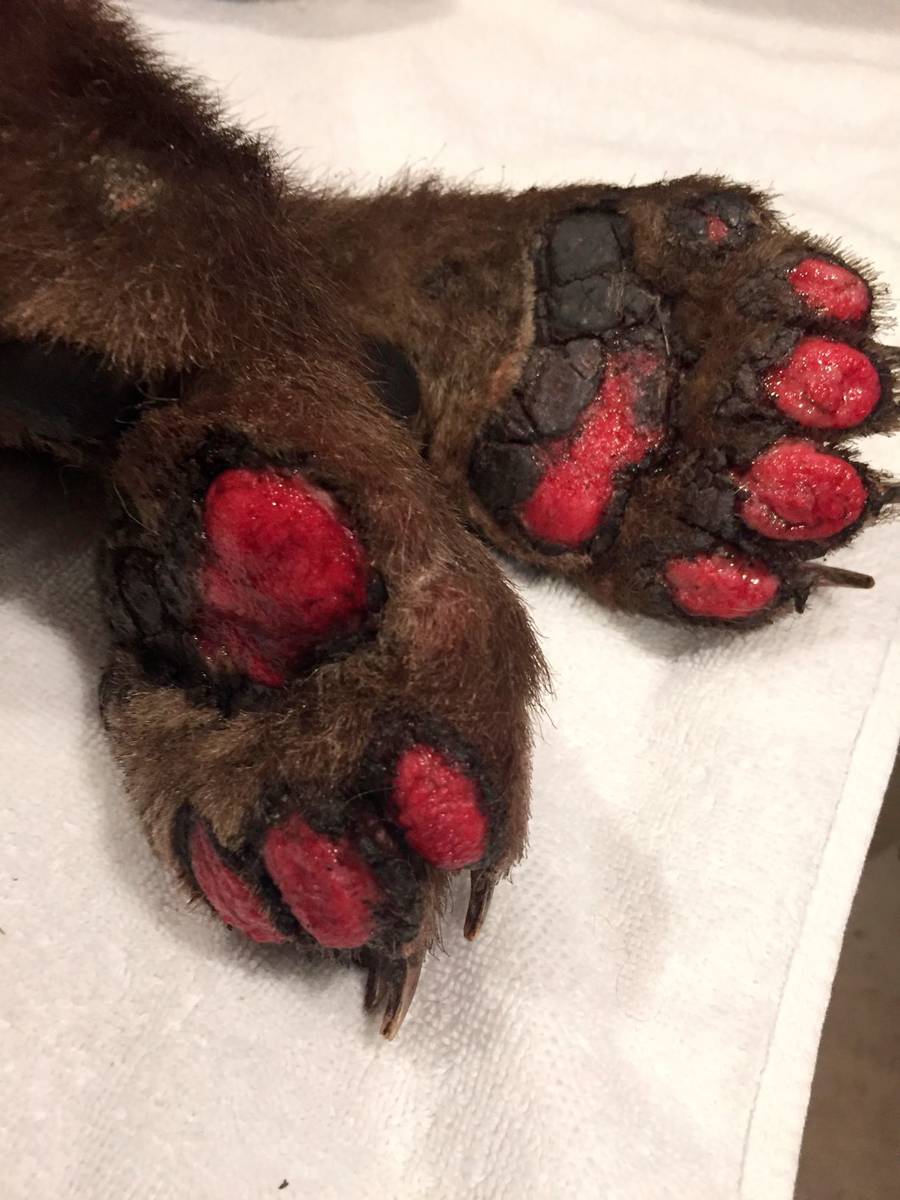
(720, 586)
(825, 384)
(831, 290)
(797, 492)
(228, 894)
(437, 805)
(325, 882)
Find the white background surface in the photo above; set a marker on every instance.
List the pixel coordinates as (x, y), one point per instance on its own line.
(640, 1018)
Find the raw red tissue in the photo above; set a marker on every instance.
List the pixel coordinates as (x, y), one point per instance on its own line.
(571, 500)
(329, 887)
(721, 586)
(797, 492)
(824, 384)
(229, 895)
(831, 290)
(438, 807)
(284, 573)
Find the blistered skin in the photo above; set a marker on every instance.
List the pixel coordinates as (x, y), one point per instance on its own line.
(232, 898)
(325, 882)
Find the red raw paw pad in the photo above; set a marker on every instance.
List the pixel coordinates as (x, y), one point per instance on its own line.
(284, 573)
(229, 895)
(831, 290)
(329, 887)
(438, 807)
(721, 586)
(570, 502)
(825, 384)
(799, 493)
(716, 229)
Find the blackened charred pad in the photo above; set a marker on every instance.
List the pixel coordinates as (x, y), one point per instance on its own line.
(594, 387)
(584, 278)
(718, 219)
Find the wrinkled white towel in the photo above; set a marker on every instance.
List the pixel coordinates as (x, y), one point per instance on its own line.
(640, 1018)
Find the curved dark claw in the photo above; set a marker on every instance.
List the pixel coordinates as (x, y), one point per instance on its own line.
(818, 575)
(481, 891)
(376, 987)
(400, 988)
(890, 492)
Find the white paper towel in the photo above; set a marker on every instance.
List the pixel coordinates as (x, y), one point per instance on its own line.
(640, 1018)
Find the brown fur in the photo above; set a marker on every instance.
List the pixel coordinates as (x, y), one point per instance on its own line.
(138, 225)
(448, 276)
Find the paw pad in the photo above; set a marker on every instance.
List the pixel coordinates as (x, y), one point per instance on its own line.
(360, 886)
(586, 284)
(328, 886)
(719, 220)
(724, 587)
(831, 290)
(592, 403)
(438, 807)
(618, 431)
(825, 384)
(284, 573)
(797, 492)
(620, 436)
(227, 892)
